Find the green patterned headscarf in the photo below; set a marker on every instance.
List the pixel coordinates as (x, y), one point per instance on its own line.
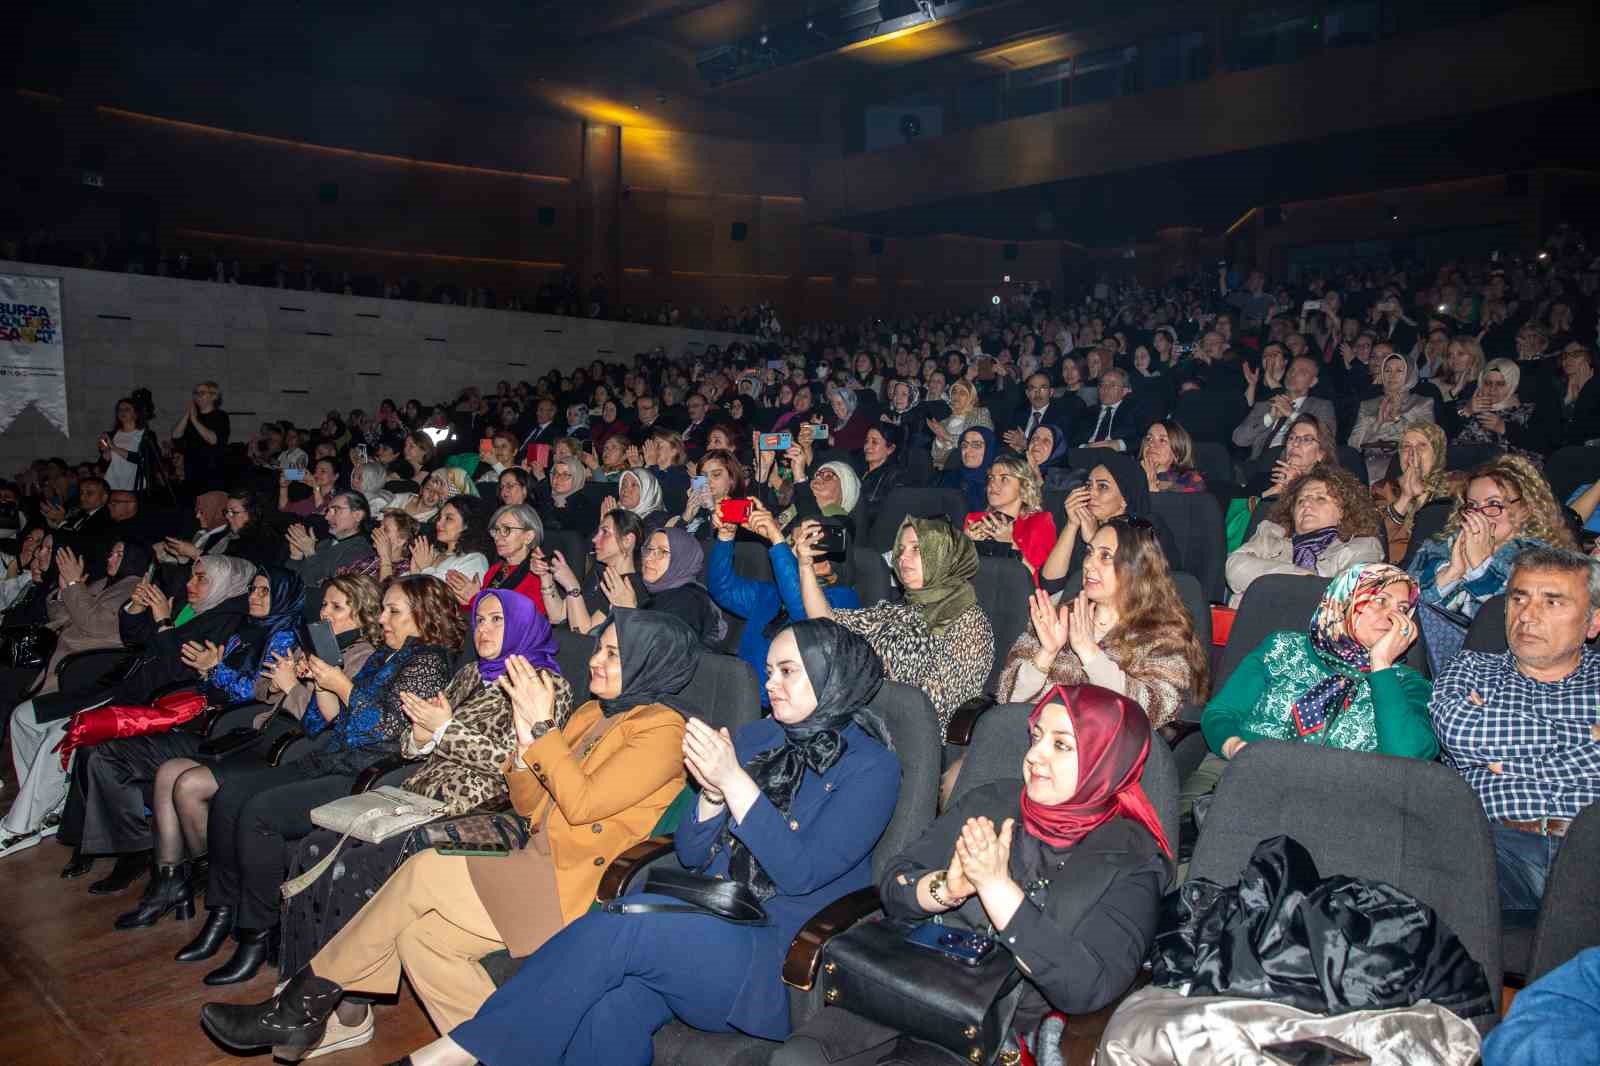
(949, 563)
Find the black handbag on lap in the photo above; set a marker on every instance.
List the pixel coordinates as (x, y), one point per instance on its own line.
(732, 901)
(498, 829)
(26, 647)
(873, 971)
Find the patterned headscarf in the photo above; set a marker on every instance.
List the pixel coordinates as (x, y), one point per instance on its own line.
(949, 565)
(1337, 648)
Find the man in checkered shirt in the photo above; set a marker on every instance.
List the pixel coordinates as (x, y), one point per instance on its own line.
(1523, 726)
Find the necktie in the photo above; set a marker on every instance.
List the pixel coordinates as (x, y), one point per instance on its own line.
(1033, 424)
(1102, 427)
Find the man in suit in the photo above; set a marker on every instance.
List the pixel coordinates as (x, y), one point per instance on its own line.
(544, 429)
(90, 518)
(1264, 427)
(1119, 423)
(1038, 409)
(694, 433)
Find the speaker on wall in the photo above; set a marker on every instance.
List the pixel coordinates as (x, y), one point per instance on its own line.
(741, 230)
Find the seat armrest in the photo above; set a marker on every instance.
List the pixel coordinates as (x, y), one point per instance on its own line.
(282, 744)
(805, 951)
(1175, 733)
(369, 777)
(965, 719)
(623, 868)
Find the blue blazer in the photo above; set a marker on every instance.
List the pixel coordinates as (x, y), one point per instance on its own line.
(820, 852)
(758, 602)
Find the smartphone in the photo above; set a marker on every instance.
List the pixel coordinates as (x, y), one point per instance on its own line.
(962, 945)
(294, 473)
(490, 850)
(486, 446)
(777, 364)
(834, 543)
(775, 442)
(323, 643)
(1311, 305)
(734, 511)
(539, 454)
(699, 483)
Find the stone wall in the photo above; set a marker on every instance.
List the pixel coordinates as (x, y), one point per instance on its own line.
(284, 354)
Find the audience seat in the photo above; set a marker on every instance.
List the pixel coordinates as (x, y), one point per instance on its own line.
(1416, 825)
(1004, 588)
(1195, 519)
(1271, 603)
(573, 651)
(1214, 461)
(1426, 523)
(872, 581)
(918, 502)
(1488, 629)
(1569, 914)
(573, 546)
(1571, 467)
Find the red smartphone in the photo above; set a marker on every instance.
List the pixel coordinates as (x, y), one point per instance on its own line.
(539, 454)
(486, 447)
(734, 511)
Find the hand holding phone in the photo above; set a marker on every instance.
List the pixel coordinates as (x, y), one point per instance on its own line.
(734, 511)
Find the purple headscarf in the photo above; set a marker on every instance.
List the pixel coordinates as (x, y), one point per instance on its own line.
(527, 633)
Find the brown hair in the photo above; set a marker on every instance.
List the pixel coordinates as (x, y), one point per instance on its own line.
(1330, 447)
(439, 618)
(1357, 515)
(1151, 617)
(1542, 518)
(406, 525)
(674, 440)
(430, 451)
(1182, 445)
(366, 601)
(731, 463)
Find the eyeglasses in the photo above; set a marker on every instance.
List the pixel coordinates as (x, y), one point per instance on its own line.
(506, 531)
(1300, 441)
(656, 553)
(235, 512)
(1492, 509)
(822, 475)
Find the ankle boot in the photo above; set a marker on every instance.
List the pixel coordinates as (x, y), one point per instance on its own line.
(167, 891)
(77, 866)
(129, 868)
(199, 874)
(255, 947)
(219, 923)
(294, 1018)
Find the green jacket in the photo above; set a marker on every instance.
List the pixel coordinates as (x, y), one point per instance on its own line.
(1389, 713)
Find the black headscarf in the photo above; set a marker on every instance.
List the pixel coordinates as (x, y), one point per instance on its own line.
(845, 673)
(1130, 478)
(658, 654)
(288, 594)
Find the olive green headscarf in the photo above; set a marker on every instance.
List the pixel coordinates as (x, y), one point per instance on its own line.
(949, 563)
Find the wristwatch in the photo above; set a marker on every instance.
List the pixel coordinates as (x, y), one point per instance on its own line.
(541, 728)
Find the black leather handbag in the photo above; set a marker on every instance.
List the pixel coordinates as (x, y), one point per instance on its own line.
(872, 971)
(732, 901)
(27, 647)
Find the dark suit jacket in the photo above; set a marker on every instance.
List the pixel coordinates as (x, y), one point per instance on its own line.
(1128, 424)
(1064, 413)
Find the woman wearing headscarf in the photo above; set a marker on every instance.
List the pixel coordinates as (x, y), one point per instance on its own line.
(1495, 414)
(1045, 449)
(1117, 485)
(831, 491)
(790, 808)
(639, 491)
(463, 738)
(939, 639)
(1383, 420)
(1338, 684)
(965, 414)
(218, 590)
(978, 450)
(83, 610)
(673, 565)
(1424, 481)
(115, 776)
(591, 789)
(848, 426)
(560, 499)
(1069, 863)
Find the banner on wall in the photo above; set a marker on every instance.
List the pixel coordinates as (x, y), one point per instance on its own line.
(33, 367)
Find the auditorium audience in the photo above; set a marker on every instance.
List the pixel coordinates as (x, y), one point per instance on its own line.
(1272, 418)
(1322, 524)
(1167, 458)
(1013, 525)
(1383, 419)
(970, 473)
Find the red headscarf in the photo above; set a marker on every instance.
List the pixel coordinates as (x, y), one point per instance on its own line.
(1113, 738)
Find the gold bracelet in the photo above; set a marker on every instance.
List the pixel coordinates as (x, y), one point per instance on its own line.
(936, 887)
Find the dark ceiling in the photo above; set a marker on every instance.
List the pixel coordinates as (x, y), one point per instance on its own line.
(1213, 192)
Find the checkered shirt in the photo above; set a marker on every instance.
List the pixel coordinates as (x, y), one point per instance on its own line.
(1544, 736)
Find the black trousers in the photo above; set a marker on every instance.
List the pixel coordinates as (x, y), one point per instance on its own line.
(116, 782)
(257, 813)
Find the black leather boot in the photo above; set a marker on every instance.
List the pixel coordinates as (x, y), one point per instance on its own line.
(255, 947)
(219, 923)
(77, 866)
(129, 868)
(199, 874)
(294, 1018)
(168, 890)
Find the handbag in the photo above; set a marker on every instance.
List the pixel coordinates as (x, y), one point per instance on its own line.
(872, 971)
(720, 897)
(27, 647)
(372, 817)
(114, 721)
(494, 829)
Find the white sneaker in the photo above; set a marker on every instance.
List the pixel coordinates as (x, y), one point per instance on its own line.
(337, 1036)
(11, 845)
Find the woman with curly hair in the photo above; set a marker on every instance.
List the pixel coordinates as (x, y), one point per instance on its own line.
(1423, 482)
(1127, 630)
(1507, 506)
(355, 722)
(1323, 523)
(1013, 525)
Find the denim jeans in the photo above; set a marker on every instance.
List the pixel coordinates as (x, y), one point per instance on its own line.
(1523, 862)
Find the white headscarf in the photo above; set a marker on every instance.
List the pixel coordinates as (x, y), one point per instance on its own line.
(849, 484)
(229, 576)
(1513, 375)
(649, 491)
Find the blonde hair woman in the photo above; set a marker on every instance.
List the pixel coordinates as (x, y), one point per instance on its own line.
(965, 414)
(1013, 524)
(1463, 362)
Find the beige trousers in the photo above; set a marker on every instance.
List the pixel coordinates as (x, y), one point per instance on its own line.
(427, 921)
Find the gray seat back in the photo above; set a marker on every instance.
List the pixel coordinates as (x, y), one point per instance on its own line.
(1004, 587)
(914, 730)
(1569, 914)
(1195, 520)
(919, 502)
(1416, 825)
(1271, 603)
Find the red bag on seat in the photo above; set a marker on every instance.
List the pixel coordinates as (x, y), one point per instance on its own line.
(128, 720)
